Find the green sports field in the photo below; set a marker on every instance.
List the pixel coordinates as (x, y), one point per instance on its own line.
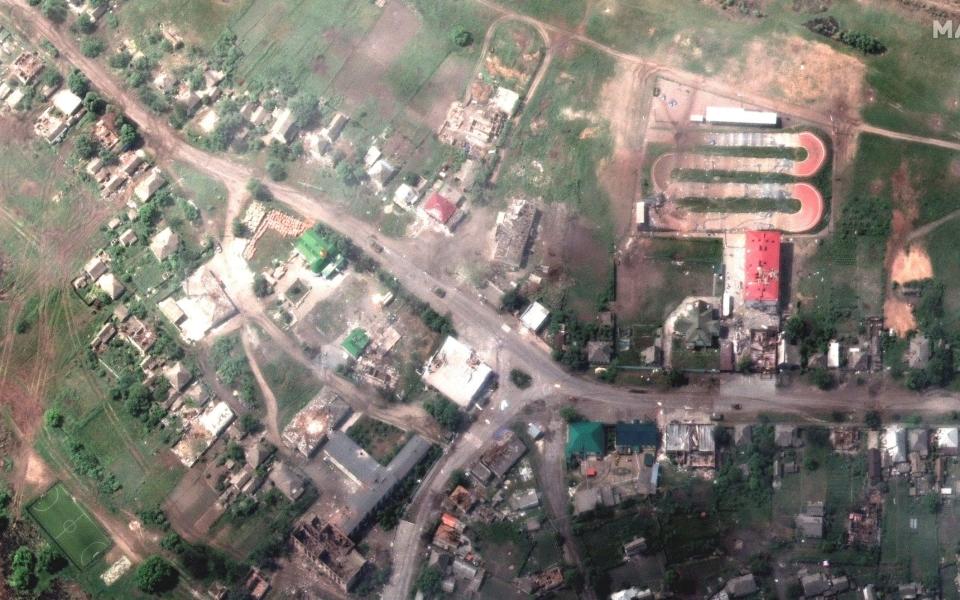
(68, 524)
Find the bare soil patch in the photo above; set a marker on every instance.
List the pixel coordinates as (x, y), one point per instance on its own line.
(799, 71)
(897, 312)
(429, 107)
(636, 278)
(911, 264)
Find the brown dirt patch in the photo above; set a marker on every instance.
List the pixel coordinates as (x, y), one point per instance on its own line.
(799, 71)
(620, 105)
(911, 264)
(898, 315)
(635, 277)
(429, 107)
(899, 260)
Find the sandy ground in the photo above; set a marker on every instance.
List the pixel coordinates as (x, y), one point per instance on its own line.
(901, 260)
(799, 71)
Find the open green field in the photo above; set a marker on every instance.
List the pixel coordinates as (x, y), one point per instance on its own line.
(910, 535)
(550, 156)
(292, 384)
(271, 246)
(740, 205)
(381, 440)
(208, 194)
(941, 245)
(706, 40)
(199, 21)
(513, 56)
(68, 524)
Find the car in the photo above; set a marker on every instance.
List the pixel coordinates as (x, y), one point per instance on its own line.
(376, 246)
(737, 406)
(440, 292)
(716, 416)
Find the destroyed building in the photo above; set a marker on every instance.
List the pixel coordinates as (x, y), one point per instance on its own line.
(331, 551)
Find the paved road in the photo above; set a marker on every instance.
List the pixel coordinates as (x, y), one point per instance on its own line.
(477, 322)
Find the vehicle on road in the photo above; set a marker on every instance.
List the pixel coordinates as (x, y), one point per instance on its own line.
(716, 416)
(440, 292)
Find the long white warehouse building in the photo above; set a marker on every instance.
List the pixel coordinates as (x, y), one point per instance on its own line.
(740, 116)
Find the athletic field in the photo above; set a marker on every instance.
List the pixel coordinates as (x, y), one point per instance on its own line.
(69, 525)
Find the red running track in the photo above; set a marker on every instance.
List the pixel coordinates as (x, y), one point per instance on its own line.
(816, 155)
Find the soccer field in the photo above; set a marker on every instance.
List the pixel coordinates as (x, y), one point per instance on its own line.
(69, 525)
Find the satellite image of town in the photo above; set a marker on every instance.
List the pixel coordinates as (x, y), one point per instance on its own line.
(479, 299)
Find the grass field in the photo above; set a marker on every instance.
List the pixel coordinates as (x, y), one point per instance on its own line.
(941, 245)
(199, 21)
(740, 205)
(559, 161)
(292, 384)
(70, 526)
(381, 440)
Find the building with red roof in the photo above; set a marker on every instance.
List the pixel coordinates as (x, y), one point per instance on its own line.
(762, 273)
(439, 208)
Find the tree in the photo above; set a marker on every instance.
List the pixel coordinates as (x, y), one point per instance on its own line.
(276, 170)
(50, 559)
(85, 23)
(156, 576)
(462, 37)
(249, 423)
(348, 173)
(239, 229)
(120, 60)
(444, 412)
(570, 414)
(513, 301)
(128, 136)
(94, 103)
(51, 77)
(53, 418)
(520, 378)
(22, 577)
(823, 379)
(259, 191)
(872, 419)
(77, 83)
(305, 108)
(429, 582)
(261, 287)
(55, 10)
(932, 503)
(85, 146)
(92, 47)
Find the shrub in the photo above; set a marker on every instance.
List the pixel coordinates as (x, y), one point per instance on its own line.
(462, 37)
(55, 10)
(520, 378)
(53, 418)
(261, 287)
(92, 47)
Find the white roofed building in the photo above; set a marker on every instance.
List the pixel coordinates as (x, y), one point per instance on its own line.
(535, 316)
(734, 115)
(457, 372)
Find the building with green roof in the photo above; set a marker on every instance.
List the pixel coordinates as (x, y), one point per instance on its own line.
(315, 249)
(356, 342)
(584, 439)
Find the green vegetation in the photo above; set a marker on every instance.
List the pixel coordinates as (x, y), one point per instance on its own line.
(293, 384)
(156, 576)
(68, 524)
(722, 176)
(520, 378)
(444, 412)
(233, 369)
(381, 440)
(740, 205)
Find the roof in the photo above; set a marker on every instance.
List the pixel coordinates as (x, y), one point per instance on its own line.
(95, 267)
(149, 185)
(743, 116)
(741, 586)
(356, 342)
(585, 438)
(216, 418)
(524, 500)
(599, 352)
(111, 285)
(534, 316)
(315, 248)
(178, 376)
(948, 438)
(809, 526)
(171, 310)
(505, 100)
(67, 102)
(762, 270)
(352, 459)
(164, 244)
(688, 437)
(636, 434)
(918, 441)
(439, 207)
(698, 324)
(310, 426)
(457, 372)
(895, 443)
(814, 585)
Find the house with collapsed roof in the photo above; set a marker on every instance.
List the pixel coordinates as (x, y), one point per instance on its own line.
(690, 444)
